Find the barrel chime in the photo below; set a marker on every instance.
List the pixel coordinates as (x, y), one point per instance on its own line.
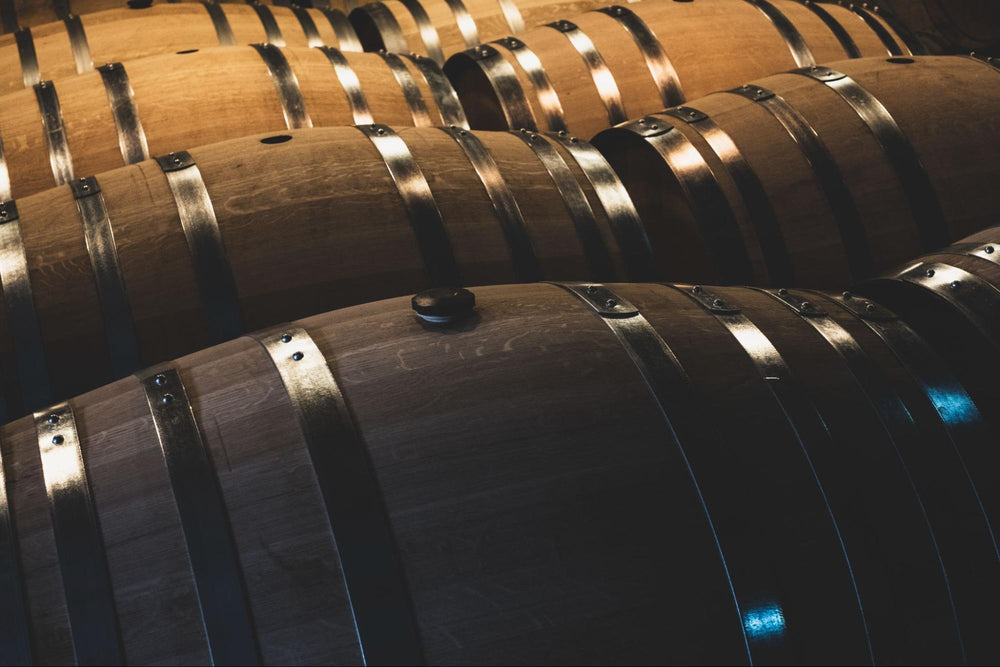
(578, 381)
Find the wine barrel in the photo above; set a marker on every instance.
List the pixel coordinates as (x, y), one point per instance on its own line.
(440, 28)
(77, 44)
(812, 176)
(620, 474)
(952, 297)
(123, 113)
(956, 25)
(19, 14)
(606, 66)
(158, 259)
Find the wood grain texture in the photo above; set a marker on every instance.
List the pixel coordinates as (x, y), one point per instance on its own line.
(569, 533)
(711, 46)
(310, 224)
(221, 93)
(923, 97)
(120, 35)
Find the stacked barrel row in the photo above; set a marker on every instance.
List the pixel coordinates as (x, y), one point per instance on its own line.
(581, 471)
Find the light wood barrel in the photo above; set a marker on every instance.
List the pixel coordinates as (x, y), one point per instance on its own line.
(77, 45)
(18, 14)
(606, 66)
(440, 28)
(954, 25)
(811, 177)
(952, 297)
(123, 113)
(622, 474)
(158, 259)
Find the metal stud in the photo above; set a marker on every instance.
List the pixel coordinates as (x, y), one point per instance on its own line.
(297, 356)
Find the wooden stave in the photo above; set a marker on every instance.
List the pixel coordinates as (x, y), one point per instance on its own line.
(886, 216)
(162, 85)
(144, 217)
(15, 14)
(727, 37)
(956, 330)
(387, 24)
(957, 27)
(123, 34)
(365, 367)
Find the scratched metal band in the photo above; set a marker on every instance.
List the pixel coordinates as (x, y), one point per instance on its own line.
(78, 41)
(579, 209)
(28, 57)
(271, 30)
(853, 236)
(388, 28)
(22, 320)
(383, 616)
(15, 644)
(131, 136)
(418, 200)
(221, 24)
(793, 38)
(711, 208)
(512, 15)
(604, 80)
(411, 93)
(308, 26)
(428, 33)
(212, 271)
(546, 95)
(755, 198)
(119, 328)
(988, 251)
(348, 79)
(973, 297)
(924, 205)
(802, 415)
(659, 65)
(287, 86)
(629, 232)
(522, 254)
(505, 86)
(90, 602)
(59, 156)
(445, 98)
(466, 25)
(914, 45)
(876, 27)
(846, 41)
(215, 565)
(8, 16)
(347, 39)
(670, 387)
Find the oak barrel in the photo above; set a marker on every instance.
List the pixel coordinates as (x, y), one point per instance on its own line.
(125, 112)
(952, 297)
(606, 66)
(809, 177)
(158, 259)
(57, 50)
(952, 25)
(622, 474)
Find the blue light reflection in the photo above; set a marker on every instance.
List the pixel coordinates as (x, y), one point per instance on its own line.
(764, 623)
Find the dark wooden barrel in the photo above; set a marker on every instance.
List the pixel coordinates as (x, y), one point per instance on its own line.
(77, 45)
(158, 259)
(952, 297)
(808, 177)
(440, 28)
(123, 113)
(954, 25)
(606, 66)
(631, 474)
